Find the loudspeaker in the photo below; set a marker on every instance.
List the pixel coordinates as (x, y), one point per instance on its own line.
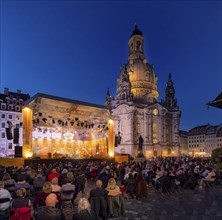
(9, 133)
(16, 136)
(18, 151)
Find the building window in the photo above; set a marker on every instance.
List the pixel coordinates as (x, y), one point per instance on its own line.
(17, 108)
(10, 117)
(3, 115)
(3, 135)
(10, 146)
(17, 126)
(17, 117)
(10, 107)
(3, 106)
(3, 124)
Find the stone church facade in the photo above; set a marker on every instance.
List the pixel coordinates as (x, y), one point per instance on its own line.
(136, 111)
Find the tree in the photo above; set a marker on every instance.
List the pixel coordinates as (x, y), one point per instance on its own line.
(216, 157)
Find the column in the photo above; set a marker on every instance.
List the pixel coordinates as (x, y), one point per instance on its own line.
(27, 132)
(111, 137)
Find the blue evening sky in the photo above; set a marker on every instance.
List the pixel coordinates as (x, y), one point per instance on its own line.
(74, 49)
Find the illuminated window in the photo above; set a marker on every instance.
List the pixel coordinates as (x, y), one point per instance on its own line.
(17, 117)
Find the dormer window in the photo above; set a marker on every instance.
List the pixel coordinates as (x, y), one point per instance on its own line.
(17, 108)
(3, 106)
(10, 107)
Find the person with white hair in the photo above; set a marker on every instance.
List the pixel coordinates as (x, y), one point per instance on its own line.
(84, 211)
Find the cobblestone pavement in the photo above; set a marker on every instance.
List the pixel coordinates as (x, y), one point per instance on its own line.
(187, 205)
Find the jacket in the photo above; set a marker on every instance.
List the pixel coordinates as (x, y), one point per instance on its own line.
(49, 213)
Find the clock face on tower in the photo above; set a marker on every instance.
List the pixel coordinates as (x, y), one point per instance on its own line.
(155, 111)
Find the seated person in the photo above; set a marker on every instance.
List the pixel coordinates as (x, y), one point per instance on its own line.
(192, 181)
(49, 211)
(211, 176)
(5, 198)
(9, 182)
(180, 177)
(84, 211)
(21, 206)
(55, 187)
(41, 196)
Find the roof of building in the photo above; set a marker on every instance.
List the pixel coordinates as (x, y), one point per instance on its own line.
(16, 95)
(198, 130)
(183, 133)
(206, 130)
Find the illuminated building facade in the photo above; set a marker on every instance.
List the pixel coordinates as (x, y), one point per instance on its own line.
(203, 139)
(136, 111)
(10, 121)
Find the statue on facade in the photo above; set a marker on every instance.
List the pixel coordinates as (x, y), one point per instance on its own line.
(140, 147)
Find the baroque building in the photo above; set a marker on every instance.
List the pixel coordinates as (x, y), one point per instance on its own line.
(136, 111)
(11, 121)
(203, 139)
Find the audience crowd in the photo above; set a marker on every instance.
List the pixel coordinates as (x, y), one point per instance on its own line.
(50, 191)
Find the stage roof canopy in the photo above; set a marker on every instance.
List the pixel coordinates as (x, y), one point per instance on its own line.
(48, 110)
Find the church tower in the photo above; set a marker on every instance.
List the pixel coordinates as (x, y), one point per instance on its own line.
(170, 102)
(136, 112)
(138, 75)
